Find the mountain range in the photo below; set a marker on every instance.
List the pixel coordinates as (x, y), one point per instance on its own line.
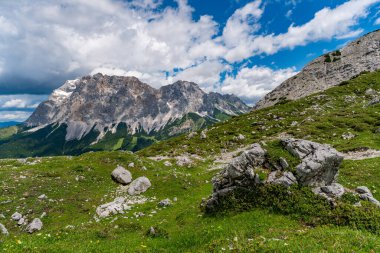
(103, 112)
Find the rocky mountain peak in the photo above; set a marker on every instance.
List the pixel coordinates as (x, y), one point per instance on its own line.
(102, 102)
(329, 70)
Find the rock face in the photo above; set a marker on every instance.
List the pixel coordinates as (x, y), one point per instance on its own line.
(35, 225)
(102, 102)
(121, 175)
(139, 185)
(329, 70)
(320, 163)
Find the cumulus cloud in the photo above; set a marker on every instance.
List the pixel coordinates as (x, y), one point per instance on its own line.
(43, 43)
(18, 116)
(327, 24)
(377, 22)
(21, 101)
(253, 83)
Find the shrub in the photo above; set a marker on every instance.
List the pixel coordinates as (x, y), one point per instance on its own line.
(301, 203)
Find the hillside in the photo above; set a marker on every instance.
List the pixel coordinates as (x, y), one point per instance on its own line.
(181, 169)
(329, 70)
(103, 112)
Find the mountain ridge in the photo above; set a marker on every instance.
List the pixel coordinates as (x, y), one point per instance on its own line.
(103, 101)
(328, 70)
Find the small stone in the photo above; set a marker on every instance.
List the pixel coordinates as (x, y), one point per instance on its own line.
(334, 190)
(168, 164)
(43, 215)
(35, 225)
(203, 135)
(43, 196)
(363, 190)
(165, 203)
(21, 221)
(3, 229)
(131, 165)
(175, 199)
(16, 216)
(348, 136)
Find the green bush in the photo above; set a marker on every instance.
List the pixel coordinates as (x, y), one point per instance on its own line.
(302, 204)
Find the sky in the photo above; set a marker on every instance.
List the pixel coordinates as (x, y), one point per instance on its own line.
(239, 47)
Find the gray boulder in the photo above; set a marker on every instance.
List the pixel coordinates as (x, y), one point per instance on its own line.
(35, 225)
(3, 230)
(121, 175)
(286, 178)
(139, 185)
(320, 163)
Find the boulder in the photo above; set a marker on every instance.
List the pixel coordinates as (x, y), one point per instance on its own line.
(115, 207)
(320, 162)
(139, 185)
(16, 216)
(121, 175)
(286, 178)
(35, 225)
(3, 230)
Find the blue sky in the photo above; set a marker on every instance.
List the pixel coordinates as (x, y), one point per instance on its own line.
(231, 46)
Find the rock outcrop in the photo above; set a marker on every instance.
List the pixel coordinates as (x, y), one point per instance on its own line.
(318, 169)
(329, 70)
(320, 163)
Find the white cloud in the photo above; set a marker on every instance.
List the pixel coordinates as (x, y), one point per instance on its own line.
(42, 41)
(207, 74)
(327, 24)
(19, 116)
(21, 101)
(253, 83)
(377, 22)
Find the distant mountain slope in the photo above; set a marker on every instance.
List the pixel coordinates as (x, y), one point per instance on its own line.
(329, 70)
(103, 112)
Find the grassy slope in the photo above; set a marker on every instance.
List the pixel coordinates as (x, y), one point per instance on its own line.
(186, 229)
(322, 117)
